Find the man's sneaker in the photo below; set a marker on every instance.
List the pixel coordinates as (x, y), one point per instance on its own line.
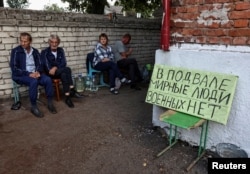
(125, 81)
(113, 91)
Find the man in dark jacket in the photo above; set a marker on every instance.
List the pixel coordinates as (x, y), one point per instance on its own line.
(55, 66)
(27, 69)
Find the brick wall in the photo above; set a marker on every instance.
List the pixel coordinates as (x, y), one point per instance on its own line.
(79, 34)
(223, 22)
(212, 35)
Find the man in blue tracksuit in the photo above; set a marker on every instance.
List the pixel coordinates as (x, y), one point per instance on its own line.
(56, 67)
(27, 69)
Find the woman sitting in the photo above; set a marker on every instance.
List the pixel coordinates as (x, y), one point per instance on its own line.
(104, 61)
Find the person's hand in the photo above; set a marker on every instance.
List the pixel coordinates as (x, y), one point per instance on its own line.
(105, 60)
(52, 71)
(130, 51)
(35, 75)
(125, 55)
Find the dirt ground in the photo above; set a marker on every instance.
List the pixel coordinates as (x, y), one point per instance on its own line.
(103, 134)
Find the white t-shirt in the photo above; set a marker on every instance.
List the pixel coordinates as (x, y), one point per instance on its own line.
(54, 53)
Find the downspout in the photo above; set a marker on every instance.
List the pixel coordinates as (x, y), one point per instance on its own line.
(165, 28)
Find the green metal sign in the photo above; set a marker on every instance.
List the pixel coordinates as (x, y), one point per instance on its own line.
(207, 95)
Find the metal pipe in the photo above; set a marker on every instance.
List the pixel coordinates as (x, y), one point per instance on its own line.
(165, 28)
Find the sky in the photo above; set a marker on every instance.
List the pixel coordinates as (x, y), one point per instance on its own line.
(39, 4)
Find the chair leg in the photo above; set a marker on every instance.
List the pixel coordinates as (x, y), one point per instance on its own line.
(15, 92)
(102, 83)
(57, 92)
(56, 84)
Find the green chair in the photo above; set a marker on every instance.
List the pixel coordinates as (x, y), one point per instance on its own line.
(181, 120)
(15, 91)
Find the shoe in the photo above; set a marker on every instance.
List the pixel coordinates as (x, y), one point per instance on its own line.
(69, 103)
(52, 109)
(114, 91)
(134, 86)
(78, 95)
(125, 81)
(36, 112)
(16, 106)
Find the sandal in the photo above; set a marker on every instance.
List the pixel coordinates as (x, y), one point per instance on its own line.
(114, 91)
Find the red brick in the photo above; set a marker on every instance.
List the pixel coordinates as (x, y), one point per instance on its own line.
(176, 30)
(179, 24)
(192, 24)
(240, 41)
(214, 25)
(197, 32)
(248, 42)
(185, 24)
(201, 40)
(242, 6)
(213, 40)
(187, 32)
(226, 40)
(173, 10)
(225, 1)
(229, 24)
(192, 32)
(201, 25)
(217, 1)
(189, 39)
(181, 9)
(191, 2)
(177, 16)
(239, 14)
(239, 33)
(206, 7)
(209, 1)
(241, 23)
(218, 32)
(189, 16)
(192, 9)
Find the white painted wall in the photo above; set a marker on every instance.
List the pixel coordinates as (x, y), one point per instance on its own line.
(230, 60)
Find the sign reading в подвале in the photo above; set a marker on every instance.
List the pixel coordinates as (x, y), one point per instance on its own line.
(207, 95)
